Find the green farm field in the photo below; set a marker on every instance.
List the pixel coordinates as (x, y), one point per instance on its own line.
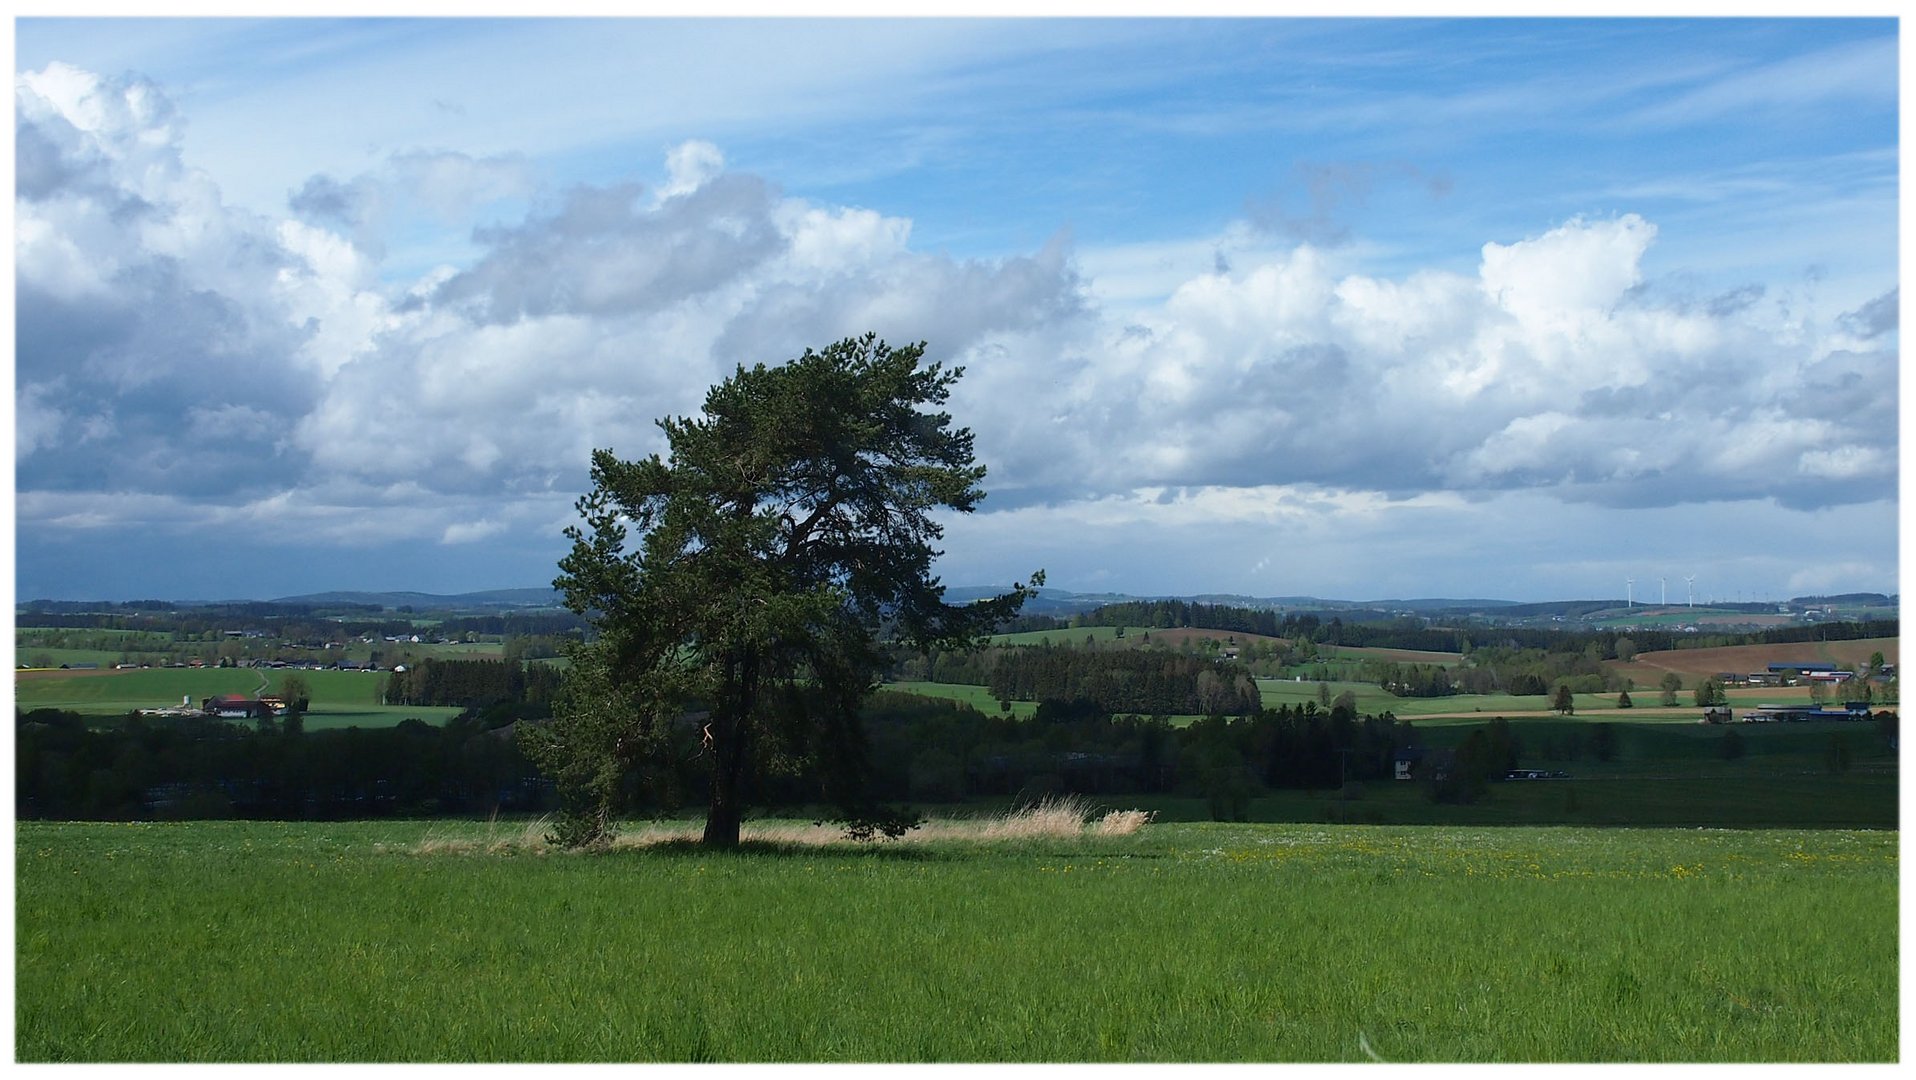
(339, 698)
(256, 942)
(978, 697)
(1459, 709)
(1475, 708)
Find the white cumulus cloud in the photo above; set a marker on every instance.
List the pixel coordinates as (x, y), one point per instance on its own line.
(172, 345)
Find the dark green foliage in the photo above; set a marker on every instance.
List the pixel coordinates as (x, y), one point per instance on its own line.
(1730, 747)
(1524, 684)
(1502, 747)
(1168, 614)
(1466, 777)
(599, 736)
(198, 768)
(1836, 755)
(1562, 702)
(1671, 683)
(1224, 776)
(790, 522)
(1711, 693)
(1412, 680)
(1603, 741)
(1506, 668)
(1623, 699)
(471, 683)
(1125, 681)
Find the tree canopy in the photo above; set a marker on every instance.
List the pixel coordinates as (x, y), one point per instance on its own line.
(739, 585)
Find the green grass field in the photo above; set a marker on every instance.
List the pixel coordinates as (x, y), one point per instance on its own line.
(1705, 796)
(339, 698)
(253, 942)
(978, 697)
(1475, 708)
(1457, 710)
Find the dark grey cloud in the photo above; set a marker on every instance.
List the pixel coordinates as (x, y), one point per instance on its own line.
(325, 201)
(1738, 299)
(172, 389)
(152, 350)
(39, 167)
(1876, 318)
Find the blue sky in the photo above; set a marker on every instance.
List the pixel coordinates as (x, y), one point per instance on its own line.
(1355, 308)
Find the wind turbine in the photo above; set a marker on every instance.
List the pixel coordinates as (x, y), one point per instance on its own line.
(1629, 592)
(1689, 582)
(1663, 592)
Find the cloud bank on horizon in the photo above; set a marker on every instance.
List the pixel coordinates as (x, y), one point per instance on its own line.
(1375, 364)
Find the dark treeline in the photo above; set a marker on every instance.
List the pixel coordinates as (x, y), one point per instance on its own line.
(1376, 630)
(472, 683)
(1019, 624)
(191, 768)
(1412, 680)
(254, 609)
(1129, 681)
(1502, 670)
(1372, 629)
(936, 751)
(541, 624)
(1118, 680)
(923, 750)
(917, 749)
(199, 622)
(70, 607)
(295, 624)
(1167, 614)
(1835, 631)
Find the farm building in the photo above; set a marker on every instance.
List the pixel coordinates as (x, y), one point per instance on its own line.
(235, 707)
(1416, 763)
(1404, 764)
(1849, 710)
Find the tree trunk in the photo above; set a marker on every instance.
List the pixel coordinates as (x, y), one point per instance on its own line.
(730, 732)
(723, 815)
(722, 819)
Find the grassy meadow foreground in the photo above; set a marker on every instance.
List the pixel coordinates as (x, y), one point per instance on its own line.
(1198, 941)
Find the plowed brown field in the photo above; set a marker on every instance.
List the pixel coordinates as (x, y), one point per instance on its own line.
(1695, 664)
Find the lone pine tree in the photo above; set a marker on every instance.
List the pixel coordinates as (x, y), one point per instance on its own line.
(740, 584)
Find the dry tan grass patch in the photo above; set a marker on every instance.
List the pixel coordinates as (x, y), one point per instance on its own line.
(1053, 818)
(1123, 822)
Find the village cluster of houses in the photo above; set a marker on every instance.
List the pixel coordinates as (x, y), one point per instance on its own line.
(1780, 675)
(1771, 714)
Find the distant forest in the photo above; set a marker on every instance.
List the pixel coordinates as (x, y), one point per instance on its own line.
(1398, 632)
(918, 749)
